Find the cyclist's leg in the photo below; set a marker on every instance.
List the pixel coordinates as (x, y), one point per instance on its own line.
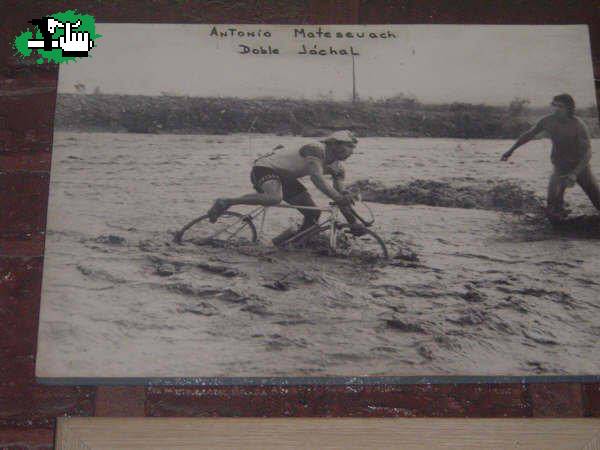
(296, 194)
(269, 192)
(270, 195)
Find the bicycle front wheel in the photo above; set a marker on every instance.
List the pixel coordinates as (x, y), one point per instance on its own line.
(368, 246)
(229, 227)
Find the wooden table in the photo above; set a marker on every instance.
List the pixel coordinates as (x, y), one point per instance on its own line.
(28, 410)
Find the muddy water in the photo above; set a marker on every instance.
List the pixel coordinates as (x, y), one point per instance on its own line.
(493, 292)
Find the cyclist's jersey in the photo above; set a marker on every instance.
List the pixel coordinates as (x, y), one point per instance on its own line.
(293, 162)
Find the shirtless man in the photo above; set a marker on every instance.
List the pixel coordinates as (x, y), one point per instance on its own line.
(571, 154)
(275, 178)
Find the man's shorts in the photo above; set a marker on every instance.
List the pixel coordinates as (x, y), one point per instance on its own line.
(291, 187)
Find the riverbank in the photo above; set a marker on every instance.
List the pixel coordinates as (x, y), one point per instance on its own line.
(398, 117)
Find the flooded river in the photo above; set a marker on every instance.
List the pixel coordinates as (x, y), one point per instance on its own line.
(492, 291)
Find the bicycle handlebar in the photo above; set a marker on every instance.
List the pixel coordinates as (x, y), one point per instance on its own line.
(349, 208)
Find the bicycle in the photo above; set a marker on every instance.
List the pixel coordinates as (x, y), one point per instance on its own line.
(233, 225)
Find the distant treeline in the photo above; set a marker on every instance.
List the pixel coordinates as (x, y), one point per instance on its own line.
(399, 116)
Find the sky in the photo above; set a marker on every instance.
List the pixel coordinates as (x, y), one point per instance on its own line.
(434, 63)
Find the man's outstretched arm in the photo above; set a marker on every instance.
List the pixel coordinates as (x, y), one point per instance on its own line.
(523, 139)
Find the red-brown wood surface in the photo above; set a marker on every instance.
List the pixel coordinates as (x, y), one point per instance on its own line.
(27, 96)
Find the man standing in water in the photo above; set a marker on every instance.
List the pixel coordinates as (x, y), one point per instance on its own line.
(571, 154)
(275, 178)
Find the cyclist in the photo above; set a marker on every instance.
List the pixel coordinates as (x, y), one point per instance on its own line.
(275, 178)
(571, 154)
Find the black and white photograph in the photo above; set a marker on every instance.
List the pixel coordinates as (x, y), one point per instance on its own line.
(301, 202)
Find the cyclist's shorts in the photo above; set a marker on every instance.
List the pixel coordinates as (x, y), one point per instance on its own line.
(291, 187)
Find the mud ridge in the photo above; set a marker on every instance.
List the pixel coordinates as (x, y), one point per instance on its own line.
(494, 195)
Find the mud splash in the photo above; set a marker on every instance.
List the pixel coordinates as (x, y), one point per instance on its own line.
(316, 246)
(494, 195)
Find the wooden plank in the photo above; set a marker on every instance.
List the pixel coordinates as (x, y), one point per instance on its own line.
(120, 401)
(478, 12)
(23, 406)
(30, 246)
(30, 161)
(334, 11)
(23, 203)
(556, 400)
(466, 400)
(26, 439)
(406, 434)
(20, 286)
(591, 399)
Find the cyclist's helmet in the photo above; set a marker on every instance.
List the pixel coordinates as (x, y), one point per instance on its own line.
(345, 136)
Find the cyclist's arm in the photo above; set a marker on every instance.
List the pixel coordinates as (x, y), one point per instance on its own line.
(339, 177)
(339, 184)
(315, 170)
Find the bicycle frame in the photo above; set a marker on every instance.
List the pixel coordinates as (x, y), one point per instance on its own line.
(261, 212)
(330, 223)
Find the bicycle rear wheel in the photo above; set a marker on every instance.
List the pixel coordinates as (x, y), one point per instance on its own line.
(367, 247)
(229, 227)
